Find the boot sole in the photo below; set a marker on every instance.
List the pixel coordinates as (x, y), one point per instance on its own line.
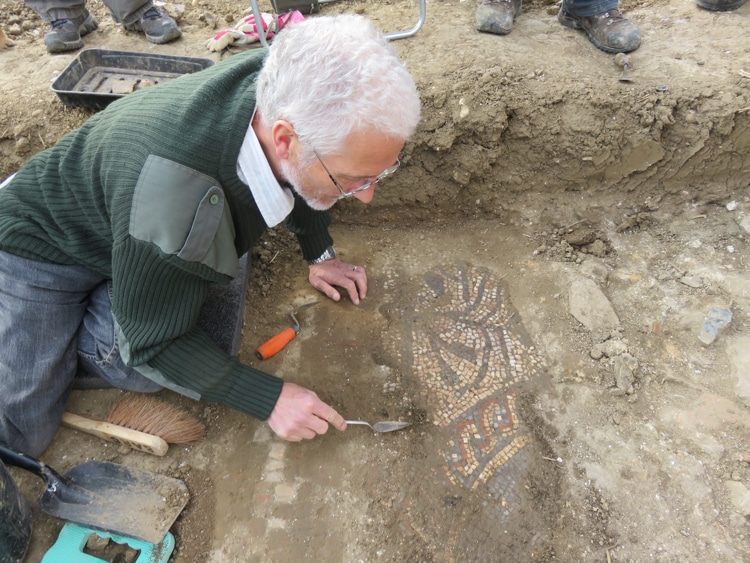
(160, 39)
(63, 46)
(171, 36)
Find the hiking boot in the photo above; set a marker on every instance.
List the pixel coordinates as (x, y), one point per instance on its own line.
(65, 34)
(609, 31)
(720, 5)
(496, 16)
(157, 25)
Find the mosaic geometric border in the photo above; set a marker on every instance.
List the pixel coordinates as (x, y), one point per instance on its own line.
(465, 344)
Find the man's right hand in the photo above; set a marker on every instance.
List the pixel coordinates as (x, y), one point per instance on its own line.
(299, 414)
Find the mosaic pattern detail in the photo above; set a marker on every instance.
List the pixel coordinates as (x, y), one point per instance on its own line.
(484, 441)
(468, 350)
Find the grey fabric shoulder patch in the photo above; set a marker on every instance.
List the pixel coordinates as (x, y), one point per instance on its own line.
(183, 212)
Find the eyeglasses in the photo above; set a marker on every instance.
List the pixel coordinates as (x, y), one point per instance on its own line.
(365, 185)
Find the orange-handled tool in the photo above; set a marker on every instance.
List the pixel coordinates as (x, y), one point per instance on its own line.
(276, 343)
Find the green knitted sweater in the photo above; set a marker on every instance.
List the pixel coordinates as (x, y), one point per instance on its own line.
(146, 193)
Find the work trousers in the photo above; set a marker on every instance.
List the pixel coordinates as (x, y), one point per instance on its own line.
(123, 11)
(55, 322)
(585, 8)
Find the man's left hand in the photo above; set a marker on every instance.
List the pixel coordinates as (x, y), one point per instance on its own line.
(327, 276)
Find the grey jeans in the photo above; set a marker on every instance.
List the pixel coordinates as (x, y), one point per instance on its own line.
(123, 11)
(585, 8)
(54, 322)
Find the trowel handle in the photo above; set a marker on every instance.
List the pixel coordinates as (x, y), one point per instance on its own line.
(276, 344)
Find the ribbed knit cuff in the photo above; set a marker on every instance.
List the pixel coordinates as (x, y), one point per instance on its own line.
(254, 393)
(313, 246)
(198, 364)
(311, 228)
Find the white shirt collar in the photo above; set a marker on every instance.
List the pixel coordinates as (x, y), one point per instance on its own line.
(274, 201)
(7, 181)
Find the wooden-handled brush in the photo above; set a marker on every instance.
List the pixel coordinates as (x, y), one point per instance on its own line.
(143, 423)
(118, 434)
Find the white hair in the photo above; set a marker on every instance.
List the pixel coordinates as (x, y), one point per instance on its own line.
(331, 76)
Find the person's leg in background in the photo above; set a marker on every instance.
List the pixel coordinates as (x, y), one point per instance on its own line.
(603, 22)
(69, 21)
(137, 15)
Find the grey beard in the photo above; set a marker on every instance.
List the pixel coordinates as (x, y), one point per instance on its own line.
(294, 178)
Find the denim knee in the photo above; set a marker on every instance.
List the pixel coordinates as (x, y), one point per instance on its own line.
(99, 350)
(32, 443)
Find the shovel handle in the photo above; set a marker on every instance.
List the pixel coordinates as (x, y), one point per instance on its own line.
(52, 478)
(275, 344)
(117, 434)
(17, 459)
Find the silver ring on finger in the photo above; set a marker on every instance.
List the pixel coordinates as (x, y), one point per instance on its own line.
(354, 269)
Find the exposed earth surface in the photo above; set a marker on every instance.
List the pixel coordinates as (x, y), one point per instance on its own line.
(540, 271)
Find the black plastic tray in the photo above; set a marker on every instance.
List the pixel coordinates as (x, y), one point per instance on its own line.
(88, 80)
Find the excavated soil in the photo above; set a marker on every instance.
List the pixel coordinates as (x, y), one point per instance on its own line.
(540, 270)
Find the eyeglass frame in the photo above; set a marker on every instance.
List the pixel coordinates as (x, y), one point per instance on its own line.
(366, 186)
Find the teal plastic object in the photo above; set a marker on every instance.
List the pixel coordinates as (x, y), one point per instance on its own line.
(72, 539)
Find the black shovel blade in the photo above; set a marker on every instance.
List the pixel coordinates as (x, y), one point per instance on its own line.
(114, 498)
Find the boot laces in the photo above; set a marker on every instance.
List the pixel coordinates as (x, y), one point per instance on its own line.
(613, 16)
(151, 14)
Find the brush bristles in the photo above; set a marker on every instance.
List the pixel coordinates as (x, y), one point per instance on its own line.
(158, 418)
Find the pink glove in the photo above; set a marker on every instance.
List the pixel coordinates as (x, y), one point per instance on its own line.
(246, 31)
(227, 37)
(271, 24)
(248, 25)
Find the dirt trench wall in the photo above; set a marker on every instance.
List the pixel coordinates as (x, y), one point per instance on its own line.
(480, 145)
(542, 110)
(477, 147)
(539, 111)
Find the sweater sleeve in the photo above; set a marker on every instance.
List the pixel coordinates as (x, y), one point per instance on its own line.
(156, 312)
(195, 362)
(311, 228)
